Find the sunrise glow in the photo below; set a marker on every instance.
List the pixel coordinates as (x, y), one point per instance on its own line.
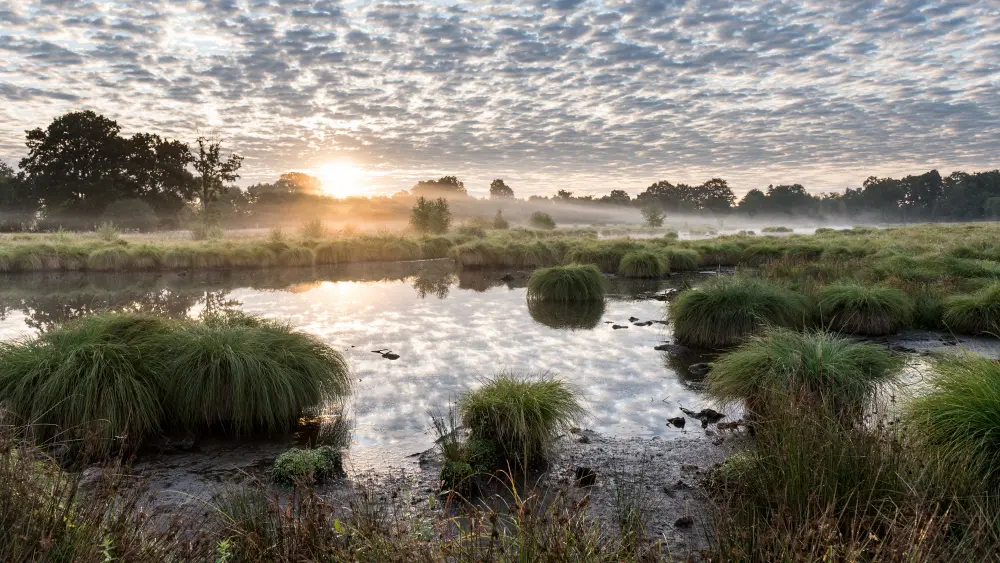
(342, 178)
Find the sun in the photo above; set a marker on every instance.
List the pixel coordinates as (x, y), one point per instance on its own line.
(341, 179)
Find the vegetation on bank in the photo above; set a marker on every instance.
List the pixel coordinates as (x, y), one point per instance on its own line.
(565, 284)
(110, 382)
(865, 310)
(643, 264)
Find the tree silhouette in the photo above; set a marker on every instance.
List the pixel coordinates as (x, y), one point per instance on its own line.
(216, 175)
(500, 190)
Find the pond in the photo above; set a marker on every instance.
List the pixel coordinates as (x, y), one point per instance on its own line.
(451, 329)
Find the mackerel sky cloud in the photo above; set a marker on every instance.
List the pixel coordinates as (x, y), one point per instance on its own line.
(578, 94)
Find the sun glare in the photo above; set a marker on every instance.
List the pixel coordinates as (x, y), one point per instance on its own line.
(341, 179)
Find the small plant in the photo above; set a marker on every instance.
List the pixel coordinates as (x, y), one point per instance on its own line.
(307, 466)
(574, 282)
(540, 220)
(652, 216)
(108, 232)
(522, 415)
(977, 313)
(867, 310)
(313, 230)
(825, 369)
(727, 310)
(642, 264)
(499, 222)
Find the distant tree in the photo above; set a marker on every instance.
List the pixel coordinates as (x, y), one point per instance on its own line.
(216, 175)
(564, 195)
(753, 203)
(653, 215)
(431, 216)
(993, 208)
(289, 186)
(499, 222)
(500, 190)
(791, 200)
(17, 211)
(442, 187)
(715, 195)
(541, 220)
(617, 197)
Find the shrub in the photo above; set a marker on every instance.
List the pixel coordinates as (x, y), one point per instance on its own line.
(520, 414)
(570, 283)
(826, 369)
(671, 235)
(307, 466)
(132, 215)
(727, 310)
(642, 264)
(976, 313)
(108, 232)
(276, 236)
(431, 216)
(652, 216)
(867, 310)
(499, 222)
(540, 220)
(959, 417)
(313, 230)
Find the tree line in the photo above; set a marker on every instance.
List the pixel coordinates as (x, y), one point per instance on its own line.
(80, 171)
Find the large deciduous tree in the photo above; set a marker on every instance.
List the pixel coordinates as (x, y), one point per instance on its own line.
(500, 190)
(216, 175)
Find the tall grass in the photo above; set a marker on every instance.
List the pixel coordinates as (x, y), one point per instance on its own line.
(867, 310)
(522, 415)
(570, 283)
(642, 264)
(976, 313)
(727, 310)
(828, 370)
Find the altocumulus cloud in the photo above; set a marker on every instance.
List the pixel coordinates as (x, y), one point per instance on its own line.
(585, 94)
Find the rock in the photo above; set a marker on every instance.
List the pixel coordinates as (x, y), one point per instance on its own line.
(633, 319)
(390, 356)
(618, 327)
(706, 416)
(699, 370)
(684, 522)
(677, 421)
(508, 277)
(584, 476)
(672, 348)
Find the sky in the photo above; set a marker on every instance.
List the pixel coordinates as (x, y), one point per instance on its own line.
(583, 95)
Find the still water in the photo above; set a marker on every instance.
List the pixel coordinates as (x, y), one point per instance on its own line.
(451, 330)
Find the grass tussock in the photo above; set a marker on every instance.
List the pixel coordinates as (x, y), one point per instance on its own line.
(727, 310)
(977, 313)
(642, 264)
(571, 283)
(299, 466)
(522, 415)
(828, 370)
(866, 310)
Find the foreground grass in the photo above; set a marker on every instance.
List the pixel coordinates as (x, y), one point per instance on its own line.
(112, 381)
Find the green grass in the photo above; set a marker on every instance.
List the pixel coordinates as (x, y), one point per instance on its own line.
(866, 310)
(109, 382)
(681, 259)
(958, 418)
(642, 264)
(974, 314)
(825, 369)
(566, 284)
(522, 415)
(108, 259)
(299, 466)
(727, 310)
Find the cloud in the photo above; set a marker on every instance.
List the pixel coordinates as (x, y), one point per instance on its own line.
(589, 95)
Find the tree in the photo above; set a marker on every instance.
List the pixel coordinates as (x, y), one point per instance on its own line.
(500, 190)
(564, 195)
(715, 195)
(617, 197)
(442, 187)
(653, 215)
(216, 175)
(753, 203)
(431, 216)
(16, 209)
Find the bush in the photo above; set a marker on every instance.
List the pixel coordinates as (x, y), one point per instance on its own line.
(541, 220)
(642, 264)
(431, 216)
(131, 215)
(825, 369)
(959, 417)
(521, 415)
(313, 230)
(307, 466)
(499, 222)
(727, 310)
(570, 283)
(974, 314)
(652, 215)
(108, 232)
(867, 310)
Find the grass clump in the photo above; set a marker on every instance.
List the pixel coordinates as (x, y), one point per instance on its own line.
(299, 466)
(976, 313)
(521, 415)
(727, 310)
(108, 259)
(868, 310)
(642, 264)
(958, 419)
(682, 259)
(824, 368)
(571, 283)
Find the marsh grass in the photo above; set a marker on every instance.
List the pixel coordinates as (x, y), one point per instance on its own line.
(866, 310)
(521, 414)
(826, 369)
(305, 467)
(681, 259)
(974, 314)
(727, 310)
(572, 283)
(642, 264)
